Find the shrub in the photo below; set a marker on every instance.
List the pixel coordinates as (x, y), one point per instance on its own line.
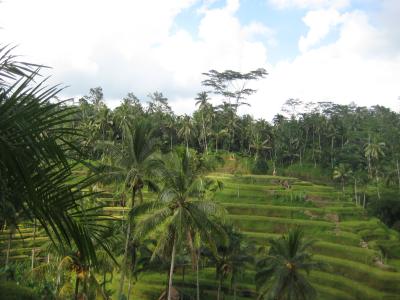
(12, 291)
(260, 167)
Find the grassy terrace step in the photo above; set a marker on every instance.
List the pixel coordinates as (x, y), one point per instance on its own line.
(357, 290)
(277, 199)
(327, 293)
(358, 254)
(298, 212)
(372, 276)
(276, 225)
(327, 286)
(319, 229)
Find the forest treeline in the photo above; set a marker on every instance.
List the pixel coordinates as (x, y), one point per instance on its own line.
(355, 146)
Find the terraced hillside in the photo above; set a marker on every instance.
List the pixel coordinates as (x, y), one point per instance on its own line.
(348, 241)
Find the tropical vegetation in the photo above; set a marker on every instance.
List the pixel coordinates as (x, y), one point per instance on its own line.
(137, 202)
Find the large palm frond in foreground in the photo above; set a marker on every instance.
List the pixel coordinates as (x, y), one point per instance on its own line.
(35, 159)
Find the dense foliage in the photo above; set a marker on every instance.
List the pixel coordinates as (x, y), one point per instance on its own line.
(59, 160)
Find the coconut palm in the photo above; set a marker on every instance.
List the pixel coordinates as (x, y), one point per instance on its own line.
(36, 152)
(373, 151)
(204, 107)
(230, 258)
(132, 164)
(187, 130)
(280, 274)
(341, 172)
(181, 208)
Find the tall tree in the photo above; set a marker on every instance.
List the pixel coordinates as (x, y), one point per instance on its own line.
(181, 208)
(280, 274)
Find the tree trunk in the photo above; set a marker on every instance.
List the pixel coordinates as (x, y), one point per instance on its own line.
(355, 189)
(377, 185)
(364, 201)
(103, 285)
(33, 248)
(332, 139)
(76, 287)
(398, 172)
(129, 285)
(343, 185)
(204, 134)
(219, 287)
(183, 276)
(234, 291)
(8, 247)
(197, 275)
(125, 259)
(171, 270)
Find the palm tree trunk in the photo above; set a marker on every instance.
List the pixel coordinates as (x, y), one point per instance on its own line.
(355, 189)
(332, 139)
(204, 133)
(125, 259)
(171, 270)
(197, 276)
(76, 287)
(364, 201)
(129, 285)
(103, 285)
(398, 171)
(234, 291)
(8, 247)
(377, 184)
(343, 185)
(219, 287)
(33, 248)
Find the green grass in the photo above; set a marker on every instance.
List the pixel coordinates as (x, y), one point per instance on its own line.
(263, 209)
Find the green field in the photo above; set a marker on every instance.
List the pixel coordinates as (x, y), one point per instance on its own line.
(346, 237)
(347, 240)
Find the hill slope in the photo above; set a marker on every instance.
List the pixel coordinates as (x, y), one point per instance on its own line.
(347, 239)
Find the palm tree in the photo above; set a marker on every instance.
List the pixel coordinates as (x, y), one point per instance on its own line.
(202, 102)
(373, 151)
(280, 274)
(36, 158)
(181, 208)
(134, 164)
(341, 173)
(258, 144)
(186, 131)
(230, 258)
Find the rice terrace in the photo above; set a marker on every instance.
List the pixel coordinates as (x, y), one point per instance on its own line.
(199, 150)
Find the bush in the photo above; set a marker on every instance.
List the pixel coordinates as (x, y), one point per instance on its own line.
(387, 209)
(12, 291)
(260, 167)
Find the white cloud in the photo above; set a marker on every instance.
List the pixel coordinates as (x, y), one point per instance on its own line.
(131, 46)
(306, 4)
(320, 23)
(356, 68)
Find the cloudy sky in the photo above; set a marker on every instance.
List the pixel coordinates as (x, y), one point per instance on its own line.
(314, 50)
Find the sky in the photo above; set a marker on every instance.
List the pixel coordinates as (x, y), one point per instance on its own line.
(314, 50)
